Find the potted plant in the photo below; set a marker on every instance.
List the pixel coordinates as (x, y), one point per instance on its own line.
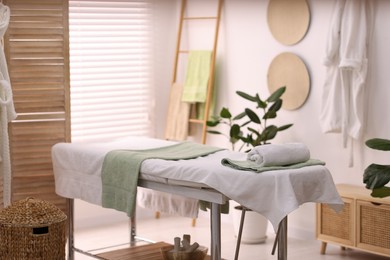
(249, 129)
(376, 176)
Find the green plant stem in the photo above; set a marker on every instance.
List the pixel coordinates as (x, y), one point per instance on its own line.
(264, 127)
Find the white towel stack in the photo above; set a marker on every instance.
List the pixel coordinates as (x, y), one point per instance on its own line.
(279, 154)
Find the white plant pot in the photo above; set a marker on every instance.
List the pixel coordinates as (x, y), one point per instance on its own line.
(255, 225)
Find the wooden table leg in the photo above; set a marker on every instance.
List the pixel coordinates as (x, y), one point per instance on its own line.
(323, 248)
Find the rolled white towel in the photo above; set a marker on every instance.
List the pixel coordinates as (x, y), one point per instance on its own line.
(279, 154)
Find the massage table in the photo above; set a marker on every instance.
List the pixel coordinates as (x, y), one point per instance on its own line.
(274, 194)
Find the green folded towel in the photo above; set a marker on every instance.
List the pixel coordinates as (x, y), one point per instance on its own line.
(255, 167)
(197, 76)
(120, 171)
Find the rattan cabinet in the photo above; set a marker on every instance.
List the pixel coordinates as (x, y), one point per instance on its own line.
(363, 224)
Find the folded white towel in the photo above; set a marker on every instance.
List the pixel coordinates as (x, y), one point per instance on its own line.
(279, 154)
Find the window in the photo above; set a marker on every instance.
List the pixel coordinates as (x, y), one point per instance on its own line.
(110, 69)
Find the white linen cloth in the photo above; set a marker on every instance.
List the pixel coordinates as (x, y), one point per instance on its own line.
(167, 203)
(274, 194)
(7, 110)
(346, 61)
(279, 154)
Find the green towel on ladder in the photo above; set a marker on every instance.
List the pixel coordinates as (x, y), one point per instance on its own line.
(197, 76)
(121, 168)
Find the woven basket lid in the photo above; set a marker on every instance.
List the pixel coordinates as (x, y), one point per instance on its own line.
(31, 212)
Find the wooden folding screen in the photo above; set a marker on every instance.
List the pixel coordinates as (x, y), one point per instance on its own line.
(37, 51)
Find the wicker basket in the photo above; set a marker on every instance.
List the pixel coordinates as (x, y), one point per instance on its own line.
(32, 229)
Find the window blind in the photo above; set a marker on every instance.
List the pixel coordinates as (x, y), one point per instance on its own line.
(110, 69)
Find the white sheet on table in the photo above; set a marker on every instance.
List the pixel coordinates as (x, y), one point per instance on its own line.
(77, 169)
(274, 194)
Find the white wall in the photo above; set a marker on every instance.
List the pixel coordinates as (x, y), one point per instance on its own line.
(246, 48)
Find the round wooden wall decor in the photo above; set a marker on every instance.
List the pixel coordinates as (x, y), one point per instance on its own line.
(287, 69)
(288, 20)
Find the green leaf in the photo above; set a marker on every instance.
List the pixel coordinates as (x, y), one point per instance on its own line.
(276, 105)
(212, 123)
(245, 139)
(225, 113)
(234, 140)
(239, 116)
(276, 95)
(253, 131)
(250, 140)
(376, 176)
(235, 131)
(246, 96)
(246, 123)
(284, 127)
(381, 192)
(269, 133)
(260, 102)
(214, 132)
(269, 114)
(252, 116)
(379, 144)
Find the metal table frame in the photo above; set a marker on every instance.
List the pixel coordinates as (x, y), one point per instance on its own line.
(210, 195)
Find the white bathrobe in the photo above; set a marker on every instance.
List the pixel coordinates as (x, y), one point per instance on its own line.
(7, 110)
(346, 68)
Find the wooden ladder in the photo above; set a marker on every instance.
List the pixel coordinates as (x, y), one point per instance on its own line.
(180, 52)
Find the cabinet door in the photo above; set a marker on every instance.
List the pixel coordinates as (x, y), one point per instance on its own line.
(373, 227)
(337, 227)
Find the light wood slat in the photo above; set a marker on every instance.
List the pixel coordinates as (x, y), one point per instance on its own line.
(151, 252)
(35, 63)
(1, 192)
(39, 3)
(40, 104)
(196, 121)
(50, 96)
(38, 187)
(37, 51)
(26, 84)
(48, 32)
(25, 44)
(28, 71)
(146, 252)
(48, 56)
(38, 131)
(32, 185)
(200, 18)
(42, 117)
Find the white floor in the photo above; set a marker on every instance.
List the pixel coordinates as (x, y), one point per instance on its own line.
(166, 228)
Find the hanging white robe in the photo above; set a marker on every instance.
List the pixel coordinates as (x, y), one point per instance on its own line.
(7, 110)
(346, 61)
